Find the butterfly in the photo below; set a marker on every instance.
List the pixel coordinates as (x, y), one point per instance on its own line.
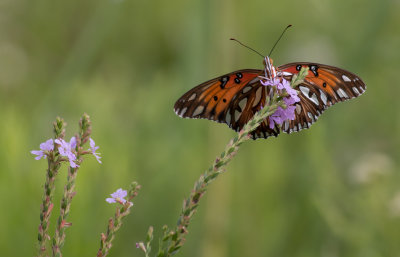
(235, 97)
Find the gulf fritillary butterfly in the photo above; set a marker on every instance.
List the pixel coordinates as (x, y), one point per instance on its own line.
(235, 97)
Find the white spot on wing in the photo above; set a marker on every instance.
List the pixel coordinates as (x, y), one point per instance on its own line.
(305, 91)
(237, 115)
(242, 103)
(345, 78)
(246, 89)
(323, 97)
(298, 108)
(286, 125)
(311, 117)
(228, 117)
(341, 93)
(198, 110)
(355, 90)
(258, 96)
(183, 111)
(344, 93)
(193, 96)
(314, 99)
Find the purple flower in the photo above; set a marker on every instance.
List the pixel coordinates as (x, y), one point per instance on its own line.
(65, 149)
(281, 115)
(46, 146)
(271, 82)
(93, 148)
(118, 196)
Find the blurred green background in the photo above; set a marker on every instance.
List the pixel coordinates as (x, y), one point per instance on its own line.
(332, 190)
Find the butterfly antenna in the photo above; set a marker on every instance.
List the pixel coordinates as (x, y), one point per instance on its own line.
(234, 39)
(279, 39)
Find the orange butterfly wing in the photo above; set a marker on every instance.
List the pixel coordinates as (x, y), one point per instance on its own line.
(233, 99)
(323, 87)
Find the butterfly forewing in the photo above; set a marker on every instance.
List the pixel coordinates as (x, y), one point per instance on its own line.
(219, 98)
(323, 87)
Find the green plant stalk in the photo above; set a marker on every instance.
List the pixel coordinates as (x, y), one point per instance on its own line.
(176, 237)
(115, 224)
(85, 130)
(47, 204)
(62, 224)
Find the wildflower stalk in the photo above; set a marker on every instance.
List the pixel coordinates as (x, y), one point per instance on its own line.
(176, 238)
(115, 223)
(69, 193)
(47, 202)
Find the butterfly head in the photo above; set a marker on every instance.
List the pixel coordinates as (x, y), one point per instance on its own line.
(270, 71)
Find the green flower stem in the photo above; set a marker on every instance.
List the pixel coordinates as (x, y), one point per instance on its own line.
(115, 223)
(62, 224)
(176, 237)
(47, 203)
(59, 237)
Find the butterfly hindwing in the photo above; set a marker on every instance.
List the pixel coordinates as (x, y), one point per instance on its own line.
(323, 87)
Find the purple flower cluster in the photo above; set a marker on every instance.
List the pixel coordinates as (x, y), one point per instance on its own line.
(44, 147)
(66, 149)
(118, 196)
(281, 114)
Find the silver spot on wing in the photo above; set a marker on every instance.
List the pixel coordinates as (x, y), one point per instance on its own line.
(345, 78)
(298, 108)
(237, 115)
(355, 90)
(183, 111)
(258, 96)
(286, 125)
(314, 99)
(246, 89)
(341, 93)
(323, 96)
(228, 117)
(198, 110)
(242, 103)
(305, 91)
(193, 96)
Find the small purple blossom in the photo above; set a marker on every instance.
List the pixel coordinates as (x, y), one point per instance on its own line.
(93, 148)
(46, 146)
(117, 196)
(281, 114)
(271, 82)
(65, 149)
